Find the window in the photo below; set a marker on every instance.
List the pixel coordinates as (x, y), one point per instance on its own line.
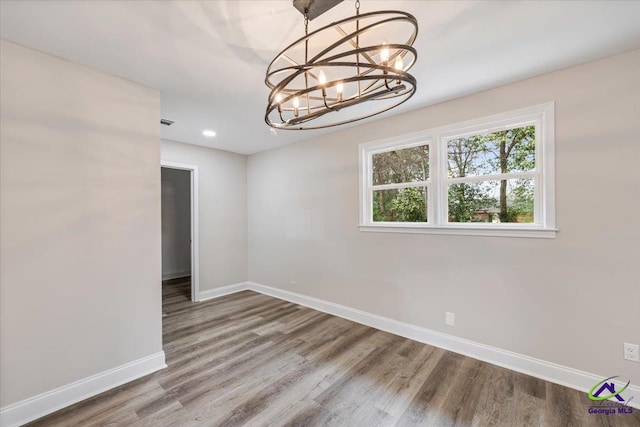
(493, 176)
(400, 185)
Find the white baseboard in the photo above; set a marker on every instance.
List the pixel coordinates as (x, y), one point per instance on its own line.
(219, 292)
(176, 275)
(563, 375)
(38, 406)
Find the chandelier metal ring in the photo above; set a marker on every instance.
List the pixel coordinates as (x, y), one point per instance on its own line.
(401, 50)
(301, 91)
(402, 16)
(288, 95)
(322, 111)
(317, 111)
(295, 71)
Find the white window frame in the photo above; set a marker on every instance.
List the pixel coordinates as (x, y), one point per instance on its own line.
(544, 226)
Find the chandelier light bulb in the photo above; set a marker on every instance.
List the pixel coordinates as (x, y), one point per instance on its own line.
(399, 65)
(322, 78)
(340, 89)
(296, 104)
(278, 100)
(384, 53)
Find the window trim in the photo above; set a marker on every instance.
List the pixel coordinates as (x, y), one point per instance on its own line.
(543, 115)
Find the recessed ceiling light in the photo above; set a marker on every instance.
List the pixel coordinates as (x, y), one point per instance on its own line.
(208, 133)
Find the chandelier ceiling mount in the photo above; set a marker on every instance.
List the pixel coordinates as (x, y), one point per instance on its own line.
(314, 8)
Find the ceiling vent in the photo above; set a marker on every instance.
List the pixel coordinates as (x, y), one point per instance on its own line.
(166, 122)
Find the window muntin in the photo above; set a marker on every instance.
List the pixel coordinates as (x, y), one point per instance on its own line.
(506, 161)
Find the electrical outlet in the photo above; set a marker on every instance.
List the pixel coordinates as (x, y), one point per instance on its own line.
(450, 319)
(632, 352)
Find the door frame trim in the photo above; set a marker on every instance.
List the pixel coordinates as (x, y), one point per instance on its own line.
(195, 244)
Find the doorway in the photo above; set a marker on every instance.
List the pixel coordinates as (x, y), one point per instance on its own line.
(179, 183)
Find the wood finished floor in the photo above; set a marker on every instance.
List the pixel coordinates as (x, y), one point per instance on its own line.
(251, 360)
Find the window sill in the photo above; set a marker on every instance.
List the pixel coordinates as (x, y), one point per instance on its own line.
(528, 232)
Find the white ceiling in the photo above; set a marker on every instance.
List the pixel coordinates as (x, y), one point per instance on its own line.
(208, 58)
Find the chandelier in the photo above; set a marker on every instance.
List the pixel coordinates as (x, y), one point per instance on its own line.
(346, 71)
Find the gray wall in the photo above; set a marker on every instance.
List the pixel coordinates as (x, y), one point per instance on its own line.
(222, 189)
(573, 300)
(79, 222)
(176, 223)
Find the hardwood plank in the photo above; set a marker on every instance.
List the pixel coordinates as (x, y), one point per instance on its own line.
(405, 385)
(497, 405)
(424, 408)
(462, 398)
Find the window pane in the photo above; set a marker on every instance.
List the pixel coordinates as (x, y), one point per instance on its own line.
(400, 205)
(397, 166)
(508, 200)
(504, 151)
